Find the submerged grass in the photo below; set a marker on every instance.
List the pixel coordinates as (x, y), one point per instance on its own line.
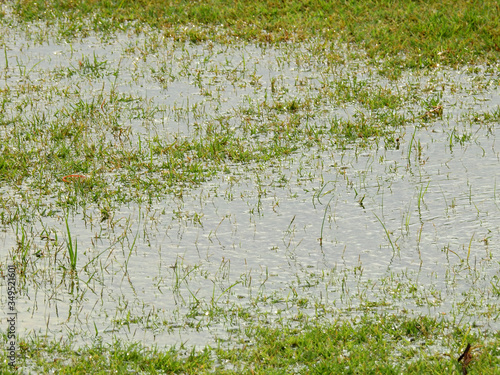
(90, 135)
(72, 248)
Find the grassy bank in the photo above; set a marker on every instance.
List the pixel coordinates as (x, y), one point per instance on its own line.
(368, 345)
(407, 33)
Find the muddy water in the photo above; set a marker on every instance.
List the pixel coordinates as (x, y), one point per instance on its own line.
(411, 228)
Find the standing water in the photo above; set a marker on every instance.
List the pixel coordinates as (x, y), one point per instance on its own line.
(231, 184)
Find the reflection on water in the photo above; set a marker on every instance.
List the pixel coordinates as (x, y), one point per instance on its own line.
(407, 228)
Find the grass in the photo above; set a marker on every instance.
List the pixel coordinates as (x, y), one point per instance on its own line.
(408, 33)
(72, 248)
(372, 344)
(91, 136)
(369, 91)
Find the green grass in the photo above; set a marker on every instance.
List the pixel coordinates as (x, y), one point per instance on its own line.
(49, 131)
(406, 33)
(72, 248)
(43, 357)
(375, 344)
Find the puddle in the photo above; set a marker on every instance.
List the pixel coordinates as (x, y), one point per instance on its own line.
(407, 226)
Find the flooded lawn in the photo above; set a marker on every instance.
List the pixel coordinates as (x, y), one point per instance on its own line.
(240, 183)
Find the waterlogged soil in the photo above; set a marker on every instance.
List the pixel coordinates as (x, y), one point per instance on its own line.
(403, 221)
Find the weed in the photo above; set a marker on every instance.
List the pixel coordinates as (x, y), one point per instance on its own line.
(72, 248)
